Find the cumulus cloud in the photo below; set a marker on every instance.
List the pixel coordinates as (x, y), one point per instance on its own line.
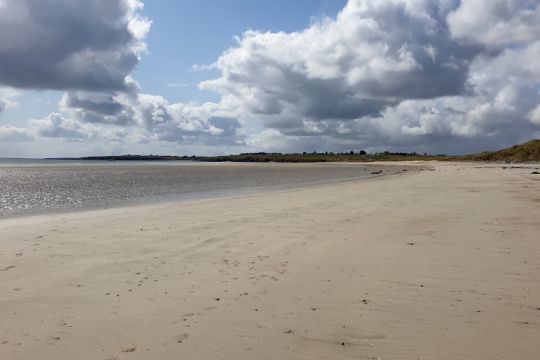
(374, 55)
(134, 117)
(149, 114)
(496, 22)
(89, 49)
(420, 75)
(397, 73)
(99, 108)
(180, 122)
(64, 44)
(55, 125)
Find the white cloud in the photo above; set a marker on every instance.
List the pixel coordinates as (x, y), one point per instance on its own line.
(7, 98)
(372, 56)
(496, 22)
(89, 49)
(135, 116)
(10, 133)
(390, 72)
(57, 126)
(534, 115)
(424, 75)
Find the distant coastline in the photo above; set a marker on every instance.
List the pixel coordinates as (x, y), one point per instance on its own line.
(265, 157)
(527, 152)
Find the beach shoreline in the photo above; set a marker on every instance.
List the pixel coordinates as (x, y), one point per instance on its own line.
(435, 264)
(47, 188)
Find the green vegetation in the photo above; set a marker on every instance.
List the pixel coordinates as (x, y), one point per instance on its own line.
(129, 157)
(528, 152)
(351, 156)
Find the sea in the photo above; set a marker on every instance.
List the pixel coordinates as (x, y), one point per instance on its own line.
(32, 187)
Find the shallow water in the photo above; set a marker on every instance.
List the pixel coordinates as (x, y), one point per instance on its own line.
(43, 186)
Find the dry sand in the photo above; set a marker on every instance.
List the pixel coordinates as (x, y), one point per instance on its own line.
(441, 264)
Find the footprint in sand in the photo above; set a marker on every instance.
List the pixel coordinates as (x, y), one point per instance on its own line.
(63, 323)
(180, 338)
(184, 318)
(52, 340)
(129, 349)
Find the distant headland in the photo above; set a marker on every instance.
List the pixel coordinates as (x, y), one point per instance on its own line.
(527, 152)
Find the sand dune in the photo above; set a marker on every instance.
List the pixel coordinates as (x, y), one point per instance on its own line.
(438, 264)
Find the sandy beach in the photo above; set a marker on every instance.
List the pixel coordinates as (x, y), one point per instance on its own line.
(435, 264)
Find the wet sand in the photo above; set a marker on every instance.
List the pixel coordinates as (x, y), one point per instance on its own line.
(33, 187)
(438, 264)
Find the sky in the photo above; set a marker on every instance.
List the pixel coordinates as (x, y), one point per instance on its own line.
(109, 77)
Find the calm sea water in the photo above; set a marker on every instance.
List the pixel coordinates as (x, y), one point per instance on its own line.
(43, 186)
